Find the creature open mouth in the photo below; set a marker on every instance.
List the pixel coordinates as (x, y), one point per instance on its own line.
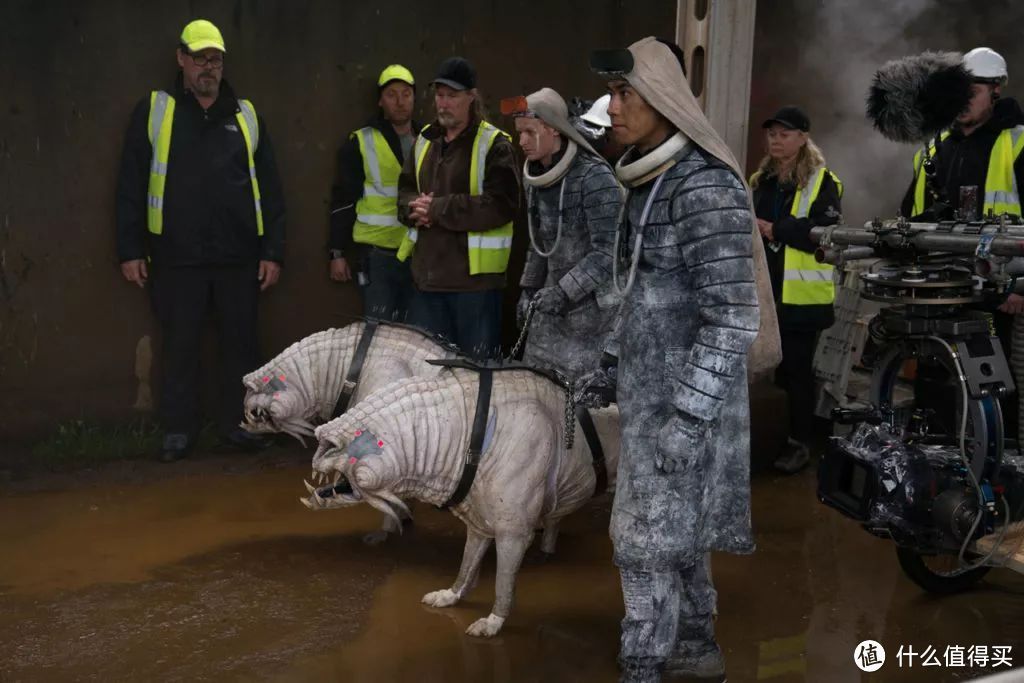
(334, 494)
(340, 492)
(256, 416)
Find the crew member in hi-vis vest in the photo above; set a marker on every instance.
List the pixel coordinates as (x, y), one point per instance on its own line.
(458, 195)
(201, 222)
(365, 232)
(793, 192)
(971, 170)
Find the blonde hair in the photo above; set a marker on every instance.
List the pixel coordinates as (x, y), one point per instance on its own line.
(808, 160)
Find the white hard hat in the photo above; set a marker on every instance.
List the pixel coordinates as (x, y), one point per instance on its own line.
(986, 64)
(598, 112)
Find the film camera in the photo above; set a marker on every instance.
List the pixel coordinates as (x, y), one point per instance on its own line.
(931, 470)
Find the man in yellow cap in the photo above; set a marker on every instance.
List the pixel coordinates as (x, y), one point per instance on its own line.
(364, 227)
(200, 208)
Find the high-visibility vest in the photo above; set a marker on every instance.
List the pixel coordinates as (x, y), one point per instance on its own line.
(1001, 193)
(161, 121)
(805, 282)
(377, 210)
(489, 250)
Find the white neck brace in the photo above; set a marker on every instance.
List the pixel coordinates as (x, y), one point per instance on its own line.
(652, 164)
(555, 173)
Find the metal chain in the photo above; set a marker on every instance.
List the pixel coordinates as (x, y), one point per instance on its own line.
(526, 328)
(570, 416)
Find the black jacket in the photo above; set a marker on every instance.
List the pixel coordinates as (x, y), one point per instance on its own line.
(209, 214)
(772, 202)
(349, 180)
(963, 161)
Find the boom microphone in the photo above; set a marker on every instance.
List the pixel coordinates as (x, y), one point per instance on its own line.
(913, 98)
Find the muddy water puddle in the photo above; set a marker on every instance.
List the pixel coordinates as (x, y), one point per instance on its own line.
(223, 575)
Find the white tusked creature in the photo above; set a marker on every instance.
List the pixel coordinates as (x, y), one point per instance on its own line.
(410, 440)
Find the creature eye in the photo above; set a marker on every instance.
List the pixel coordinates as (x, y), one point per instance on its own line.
(380, 444)
(359, 432)
(266, 380)
(352, 461)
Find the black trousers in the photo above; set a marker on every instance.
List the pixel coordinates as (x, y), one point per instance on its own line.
(182, 297)
(795, 375)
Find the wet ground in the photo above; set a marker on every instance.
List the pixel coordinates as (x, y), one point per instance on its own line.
(211, 569)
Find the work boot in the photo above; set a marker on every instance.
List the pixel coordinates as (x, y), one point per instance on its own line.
(704, 663)
(175, 447)
(794, 458)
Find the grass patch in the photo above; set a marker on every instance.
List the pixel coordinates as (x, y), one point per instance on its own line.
(82, 442)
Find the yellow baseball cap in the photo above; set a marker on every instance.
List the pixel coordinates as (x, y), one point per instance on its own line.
(395, 72)
(200, 35)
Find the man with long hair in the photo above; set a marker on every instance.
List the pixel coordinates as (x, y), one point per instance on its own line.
(458, 194)
(793, 192)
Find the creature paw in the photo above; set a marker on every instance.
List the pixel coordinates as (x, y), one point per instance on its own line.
(375, 537)
(441, 598)
(487, 627)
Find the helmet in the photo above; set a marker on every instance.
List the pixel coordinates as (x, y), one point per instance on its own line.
(987, 65)
(598, 112)
(395, 72)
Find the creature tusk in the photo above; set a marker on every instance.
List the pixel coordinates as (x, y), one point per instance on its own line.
(305, 501)
(337, 477)
(309, 487)
(319, 500)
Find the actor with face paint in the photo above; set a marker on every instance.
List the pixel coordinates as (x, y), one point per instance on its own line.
(573, 201)
(691, 268)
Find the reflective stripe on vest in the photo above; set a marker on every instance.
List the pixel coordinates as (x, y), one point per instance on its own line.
(160, 124)
(377, 210)
(1001, 192)
(489, 251)
(806, 282)
(920, 177)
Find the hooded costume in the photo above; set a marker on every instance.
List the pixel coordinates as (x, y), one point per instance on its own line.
(691, 268)
(572, 210)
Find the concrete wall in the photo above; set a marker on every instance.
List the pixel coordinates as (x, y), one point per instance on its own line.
(70, 327)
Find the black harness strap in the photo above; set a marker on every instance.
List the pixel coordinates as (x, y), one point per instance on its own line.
(476, 440)
(355, 369)
(596, 451)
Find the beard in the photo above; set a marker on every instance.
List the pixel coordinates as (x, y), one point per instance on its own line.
(207, 85)
(446, 119)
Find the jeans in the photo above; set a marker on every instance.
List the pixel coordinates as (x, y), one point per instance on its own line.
(386, 285)
(472, 320)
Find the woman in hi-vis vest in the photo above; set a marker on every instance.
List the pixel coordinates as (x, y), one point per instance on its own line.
(793, 192)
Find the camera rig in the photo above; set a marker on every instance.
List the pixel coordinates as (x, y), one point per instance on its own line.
(938, 477)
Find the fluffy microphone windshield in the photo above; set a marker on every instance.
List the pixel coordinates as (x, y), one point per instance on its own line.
(913, 98)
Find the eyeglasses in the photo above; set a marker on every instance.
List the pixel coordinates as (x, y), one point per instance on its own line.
(216, 61)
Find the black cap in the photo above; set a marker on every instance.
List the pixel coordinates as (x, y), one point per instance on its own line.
(456, 72)
(793, 118)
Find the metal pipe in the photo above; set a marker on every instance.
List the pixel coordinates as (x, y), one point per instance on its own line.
(922, 240)
(838, 257)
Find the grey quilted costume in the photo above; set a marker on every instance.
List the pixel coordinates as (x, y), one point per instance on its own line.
(581, 265)
(683, 339)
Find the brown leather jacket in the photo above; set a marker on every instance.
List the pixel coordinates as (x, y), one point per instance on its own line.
(440, 262)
